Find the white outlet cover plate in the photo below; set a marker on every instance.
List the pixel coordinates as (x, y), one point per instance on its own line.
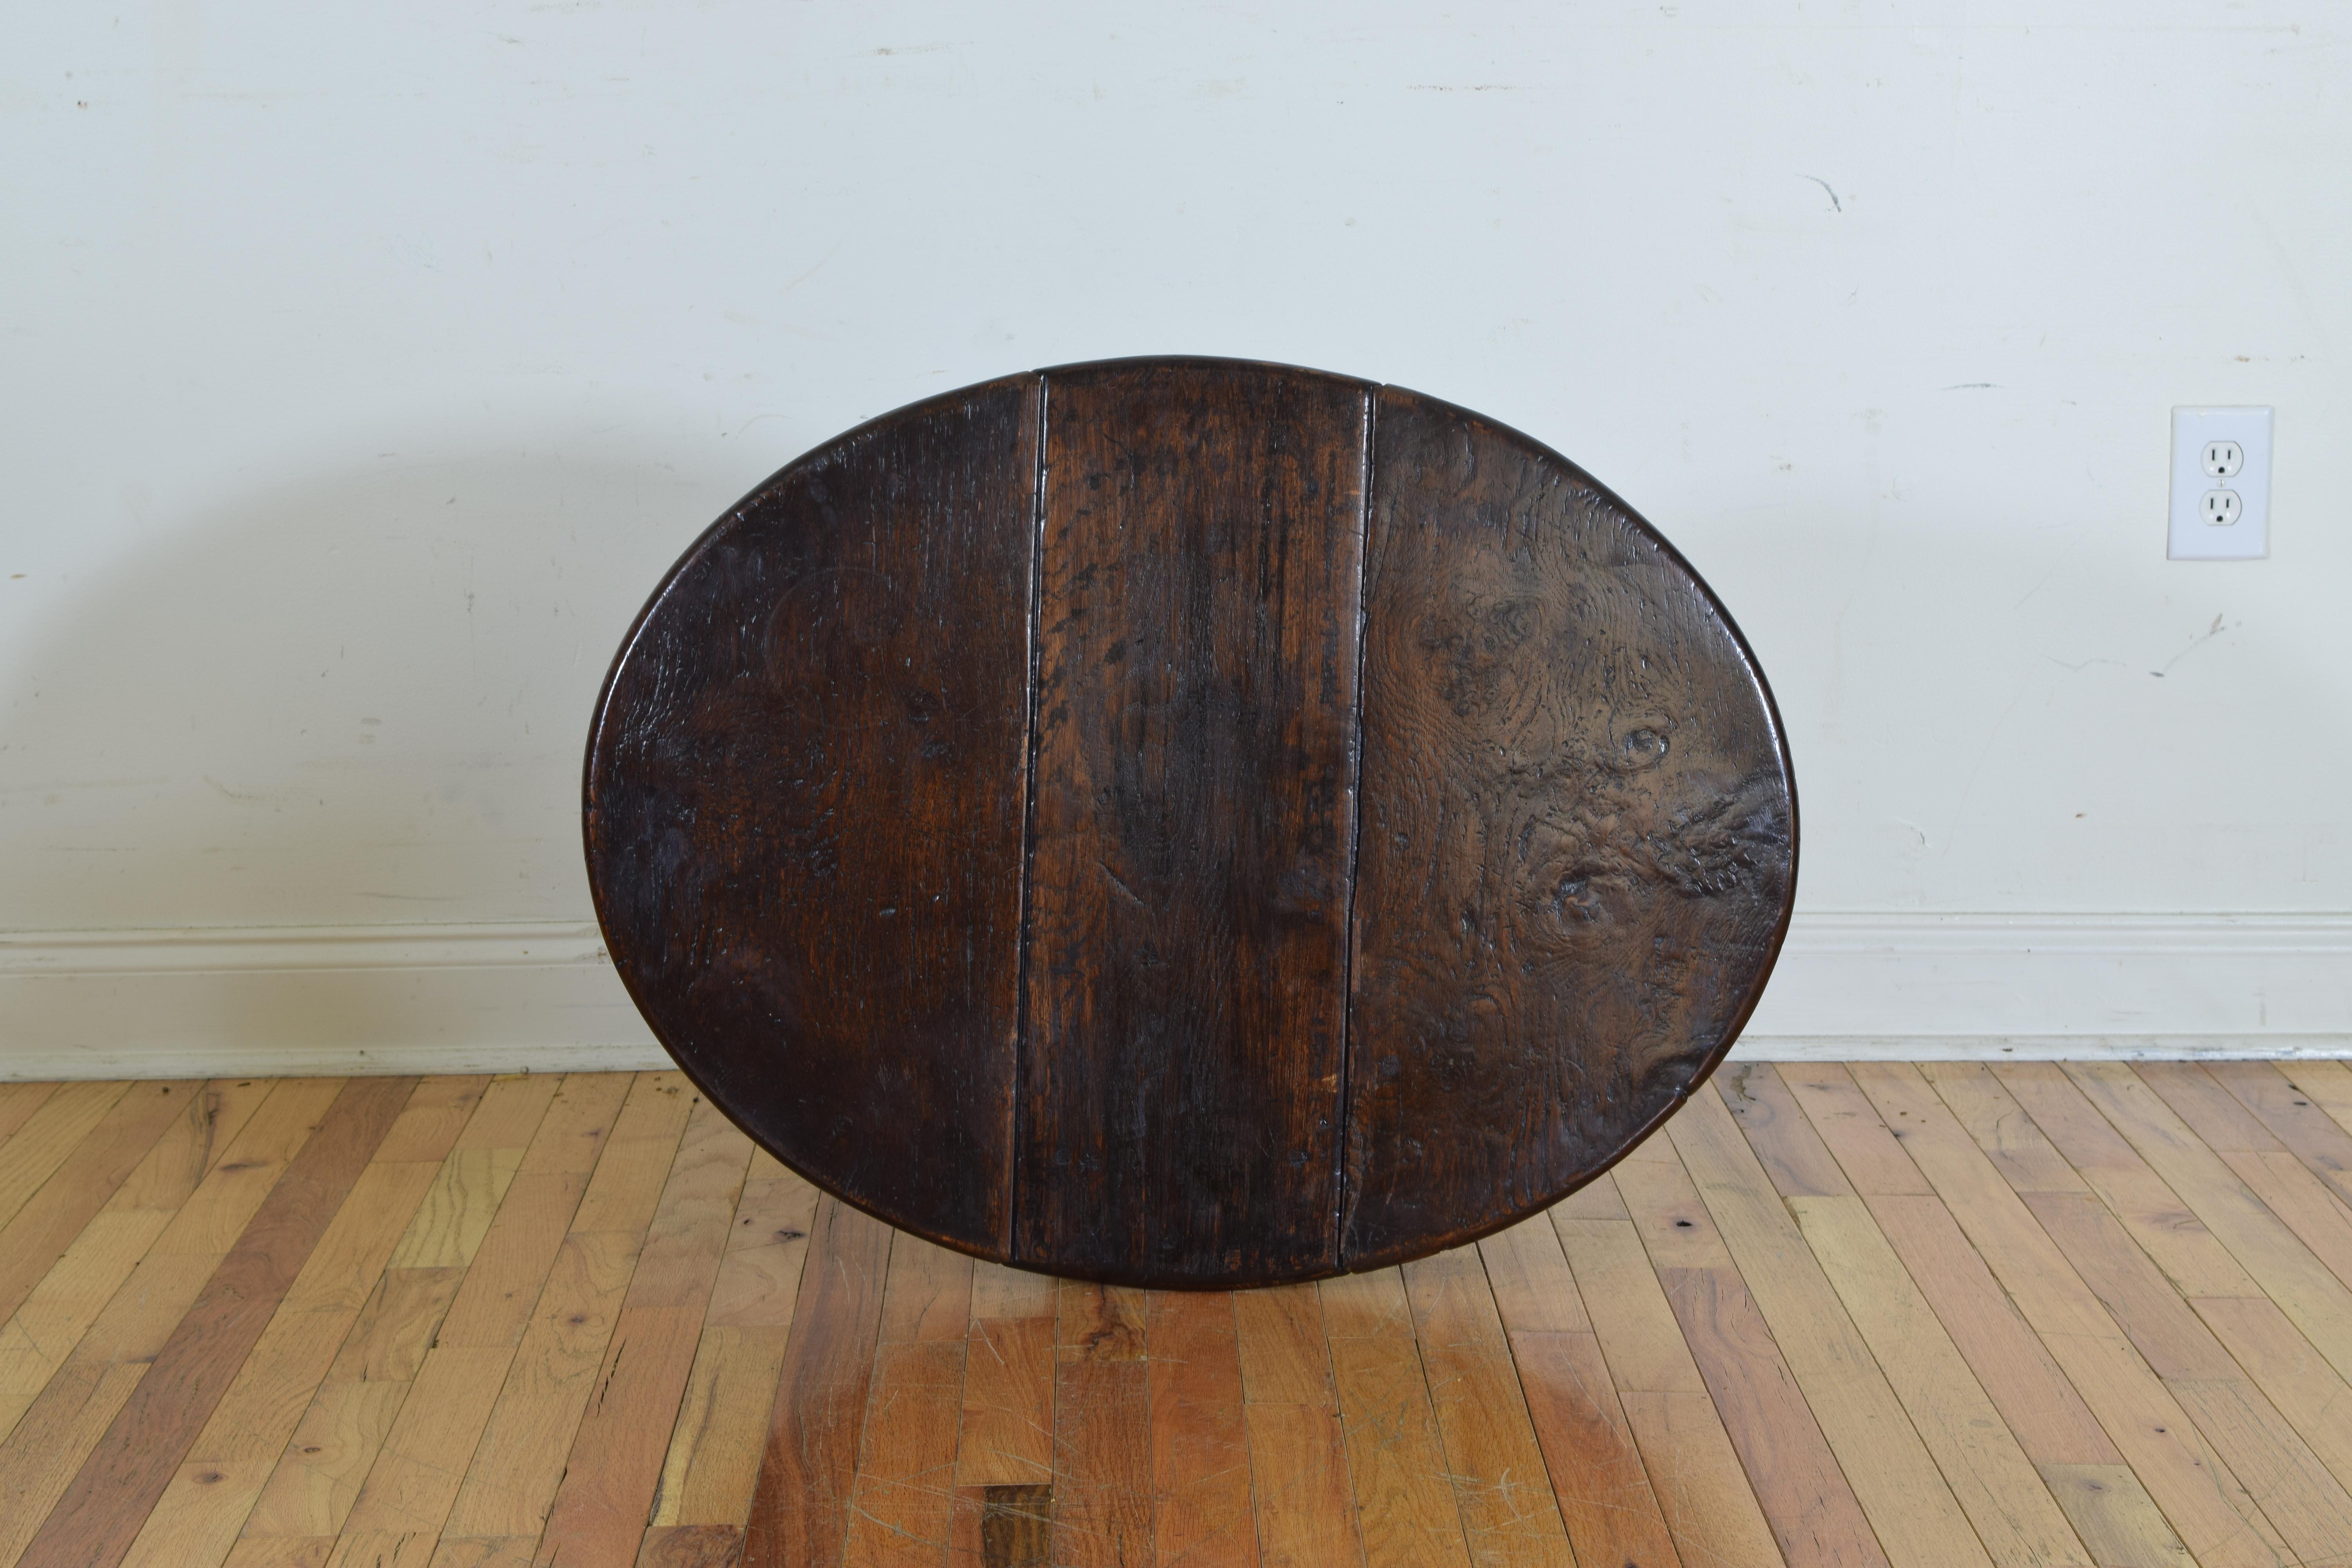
(2191, 537)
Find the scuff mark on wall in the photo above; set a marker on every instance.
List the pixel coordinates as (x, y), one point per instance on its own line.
(2199, 640)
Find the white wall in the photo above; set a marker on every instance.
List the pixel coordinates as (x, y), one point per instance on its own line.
(363, 368)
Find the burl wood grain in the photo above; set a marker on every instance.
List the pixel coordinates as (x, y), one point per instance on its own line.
(1191, 823)
(1578, 848)
(804, 802)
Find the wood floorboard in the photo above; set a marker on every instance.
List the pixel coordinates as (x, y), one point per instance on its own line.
(2211, 1508)
(85, 1275)
(2260, 1243)
(108, 1499)
(800, 1504)
(614, 1467)
(723, 1426)
(1299, 1487)
(2096, 1315)
(1200, 1446)
(1102, 1436)
(197, 1520)
(1509, 1512)
(82, 1184)
(1814, 1509)
(19, 1100)
(1405, 1509)
(1708, 1504)
(903, 1502)
(1596, 1471)
(150, 1293)
(625, 1149)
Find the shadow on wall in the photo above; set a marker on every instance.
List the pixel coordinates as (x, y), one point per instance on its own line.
(357, 699)
(354, 701)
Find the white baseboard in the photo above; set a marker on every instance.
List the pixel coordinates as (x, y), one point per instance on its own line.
(2034, 1048)
(315, 1000)
(543, 998)
(2249, 977)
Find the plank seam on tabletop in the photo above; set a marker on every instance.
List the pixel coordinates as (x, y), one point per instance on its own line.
(1355, 835)
(1037, 646)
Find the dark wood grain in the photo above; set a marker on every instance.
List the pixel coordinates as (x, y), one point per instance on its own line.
(800, 1505)
(691, 1546)
(803, 809)
(1578, 845)
(1191, 821)
(1016, 1529)
(94, 1523)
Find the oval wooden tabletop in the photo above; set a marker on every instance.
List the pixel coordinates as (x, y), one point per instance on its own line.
(1189, 822)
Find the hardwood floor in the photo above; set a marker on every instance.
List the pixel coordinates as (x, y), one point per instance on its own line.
(2013, 1315)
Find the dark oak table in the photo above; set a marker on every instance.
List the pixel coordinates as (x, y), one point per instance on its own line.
(1189, 822)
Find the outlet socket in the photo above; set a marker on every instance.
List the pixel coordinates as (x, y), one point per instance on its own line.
(2220, 484)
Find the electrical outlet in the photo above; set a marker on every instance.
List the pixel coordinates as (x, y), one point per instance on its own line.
(2220, 484)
